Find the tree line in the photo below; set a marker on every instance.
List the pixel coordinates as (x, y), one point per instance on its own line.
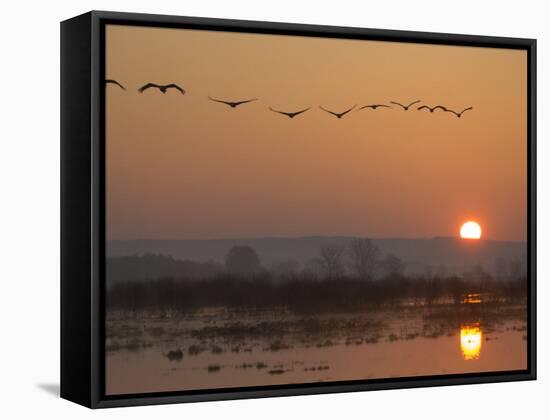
(339, 278)
(304, 295)
(360, 257)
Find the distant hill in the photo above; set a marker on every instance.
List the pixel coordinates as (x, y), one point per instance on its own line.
(457, 255)
(151, 267)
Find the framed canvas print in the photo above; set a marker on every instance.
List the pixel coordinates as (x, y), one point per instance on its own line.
(260, 209)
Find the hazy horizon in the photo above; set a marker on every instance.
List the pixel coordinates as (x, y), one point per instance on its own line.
(236, 238)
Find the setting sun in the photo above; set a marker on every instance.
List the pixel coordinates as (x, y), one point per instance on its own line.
(470, 230)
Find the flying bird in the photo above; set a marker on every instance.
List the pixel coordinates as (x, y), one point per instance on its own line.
(232, 104)
(374, 106)
(114, 82)
(430, 108)
(162, 88)
(459, 114)
(339, 114)
(405, 107)
(290, 114)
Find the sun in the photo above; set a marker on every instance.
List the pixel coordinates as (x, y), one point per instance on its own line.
(470, 230)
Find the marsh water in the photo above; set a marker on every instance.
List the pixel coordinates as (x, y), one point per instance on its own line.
(224, 348)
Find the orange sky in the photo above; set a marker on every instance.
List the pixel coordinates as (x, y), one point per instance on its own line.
(181, 167)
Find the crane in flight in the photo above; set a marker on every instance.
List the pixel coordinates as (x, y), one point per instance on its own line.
(459, 114)
(290, 114)
(374, 106)
(431, 108)
(162, 88)
(114, 82)
(339, 114)
(232, 104)
(405, 107)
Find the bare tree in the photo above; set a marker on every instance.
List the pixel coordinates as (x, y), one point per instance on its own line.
(313, 269)
(392, 265)
(331, 260)
(364, 257)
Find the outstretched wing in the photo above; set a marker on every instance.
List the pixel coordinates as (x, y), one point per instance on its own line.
(300, 112)
(413, 102)
(348, 110)
(219, 100)
(173, 85)
(466, 109)
(439, 107)
(114, 82)
(420, 108)
(147, 86)
(290, 114)
(452, 111)
(245, 101)
(397, 103)
(280, 112)
(372, 106)
(330, 112)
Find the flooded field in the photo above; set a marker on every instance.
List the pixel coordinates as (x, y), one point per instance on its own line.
(222, 348)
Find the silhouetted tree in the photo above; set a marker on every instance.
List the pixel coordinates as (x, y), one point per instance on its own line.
(364, 256)
(331, 260)
(242, 261)
(313, 269)
(392, 265)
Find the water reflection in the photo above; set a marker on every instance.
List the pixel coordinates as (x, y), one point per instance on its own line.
(471, 298)
(224, 348)
(470, 341)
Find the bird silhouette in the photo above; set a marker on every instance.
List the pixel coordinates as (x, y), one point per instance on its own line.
(339, 114)
(374, 106)
(430, 108)
(405, 107)
(459, 114)
(162, 88)
(114, 82)
(232, 104)
(290, 114)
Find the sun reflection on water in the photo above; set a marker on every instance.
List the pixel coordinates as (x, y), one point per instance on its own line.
(470, 341)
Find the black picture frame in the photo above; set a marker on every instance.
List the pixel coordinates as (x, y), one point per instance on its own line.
(83, 207)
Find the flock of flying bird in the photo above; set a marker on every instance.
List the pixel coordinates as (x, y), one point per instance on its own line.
(234, 104)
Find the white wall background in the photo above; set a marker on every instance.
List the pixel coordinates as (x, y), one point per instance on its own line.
(29, 219)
